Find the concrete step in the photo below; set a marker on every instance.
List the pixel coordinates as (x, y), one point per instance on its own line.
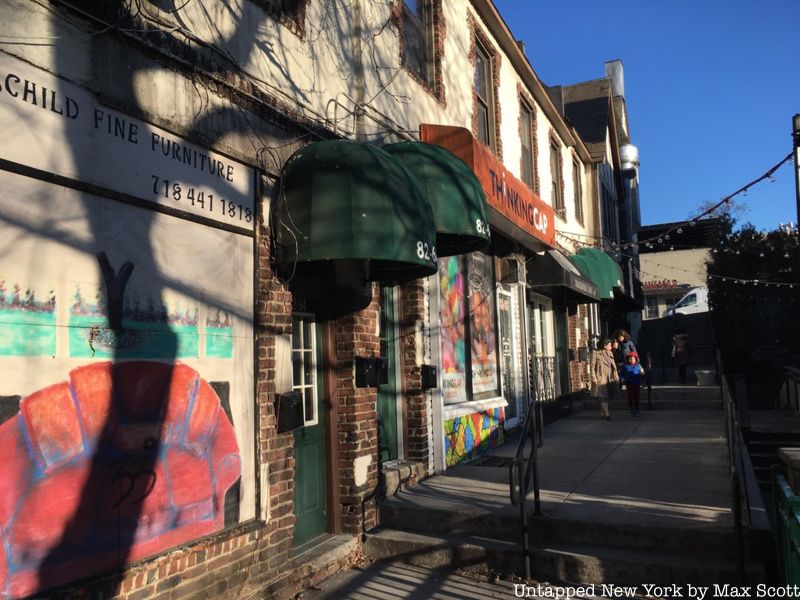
(599, 565)
(432, 551)
(566, 563)
(401, 514)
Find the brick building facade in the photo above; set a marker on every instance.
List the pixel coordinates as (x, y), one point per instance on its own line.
(154, 148)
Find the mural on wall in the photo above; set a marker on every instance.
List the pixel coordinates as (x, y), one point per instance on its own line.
(26, 320)
(149, 327)
(452, 314)
(470, 436)
(219, 335)
(127, 420)
(170, 457)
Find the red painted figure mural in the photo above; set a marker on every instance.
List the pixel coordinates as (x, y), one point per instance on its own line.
(51, 530)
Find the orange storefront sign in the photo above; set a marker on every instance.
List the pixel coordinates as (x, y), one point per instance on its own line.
(515, 209)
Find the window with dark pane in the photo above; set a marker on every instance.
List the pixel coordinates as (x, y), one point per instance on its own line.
(526, 139)
(418, 38)
(608, 214)
(652, 306)
(557, 195)
(483, 94)
(289, 8)
(578, 187)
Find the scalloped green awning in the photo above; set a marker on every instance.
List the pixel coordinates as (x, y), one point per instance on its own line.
(600, 269)
(355, 210)
(454, 193)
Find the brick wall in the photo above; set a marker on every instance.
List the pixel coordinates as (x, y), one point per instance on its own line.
(577, 369)
(413, 310)
(357, 335)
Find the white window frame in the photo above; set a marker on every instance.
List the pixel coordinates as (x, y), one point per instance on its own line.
(304, 385)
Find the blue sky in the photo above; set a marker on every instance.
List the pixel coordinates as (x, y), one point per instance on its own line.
(711, 87)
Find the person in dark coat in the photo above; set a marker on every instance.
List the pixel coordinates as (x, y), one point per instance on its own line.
(626, 344)
(681, 352)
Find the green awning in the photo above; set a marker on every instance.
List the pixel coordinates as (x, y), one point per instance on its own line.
(357, 211)
(600, 269)
(552, 274)
(454, 193)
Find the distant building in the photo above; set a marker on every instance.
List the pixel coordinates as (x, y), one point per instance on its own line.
(674, 265)
(598, 111)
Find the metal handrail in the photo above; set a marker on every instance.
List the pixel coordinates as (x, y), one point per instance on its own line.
(741, 500)
(523, 471)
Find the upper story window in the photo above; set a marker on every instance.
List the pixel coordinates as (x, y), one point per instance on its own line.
(578, 187)
(484, 90)
(526, 135)
(291, 13)
(418, 38)
(556, 174)
(608, 214)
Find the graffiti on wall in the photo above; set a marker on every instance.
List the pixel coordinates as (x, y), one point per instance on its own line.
(472, 435)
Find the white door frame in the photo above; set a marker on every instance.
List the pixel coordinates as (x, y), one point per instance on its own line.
(515, 330)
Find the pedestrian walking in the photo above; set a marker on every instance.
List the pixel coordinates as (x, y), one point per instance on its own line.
(625, 343)
(632, 374)
(605, 376)
(681, 352)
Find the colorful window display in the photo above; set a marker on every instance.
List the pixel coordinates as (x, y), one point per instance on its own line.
(452, 311)
(483, 341)
(468, 331)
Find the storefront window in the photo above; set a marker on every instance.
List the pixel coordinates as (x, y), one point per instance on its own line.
(467, 313)
(480, 268)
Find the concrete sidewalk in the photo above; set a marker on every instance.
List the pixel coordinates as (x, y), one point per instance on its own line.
(664, 468)
(637, 499)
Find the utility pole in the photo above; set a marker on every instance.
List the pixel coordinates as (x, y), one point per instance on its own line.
(796, 138)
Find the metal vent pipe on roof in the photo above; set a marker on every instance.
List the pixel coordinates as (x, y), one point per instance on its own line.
(629, 155)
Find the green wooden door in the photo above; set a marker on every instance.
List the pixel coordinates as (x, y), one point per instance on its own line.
(387, 393)
(310, 502)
